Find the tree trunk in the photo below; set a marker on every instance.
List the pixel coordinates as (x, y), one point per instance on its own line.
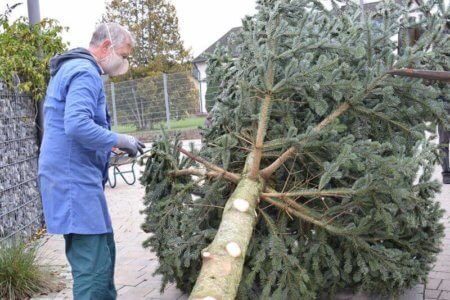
(223, 259)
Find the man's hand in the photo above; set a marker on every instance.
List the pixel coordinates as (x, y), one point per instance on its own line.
(129, 144)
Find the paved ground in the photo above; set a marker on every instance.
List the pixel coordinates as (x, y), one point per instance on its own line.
(136, 265)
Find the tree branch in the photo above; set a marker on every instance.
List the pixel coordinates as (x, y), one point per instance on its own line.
(195, 172)
(231, 176)
(302, 214)
(259, 144)
(265, 110)
(308, 216)
(268, 171)
(295, 209)
(333, 116)
(312, 192)
(424, 74)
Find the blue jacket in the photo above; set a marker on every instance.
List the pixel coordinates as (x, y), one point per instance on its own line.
(76, 147)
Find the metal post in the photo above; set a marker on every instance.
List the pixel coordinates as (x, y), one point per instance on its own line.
(34, 17)
(361, 3)
(34, 14)
(166, 99)
(200, 91)
(199, 79)
(113, 100)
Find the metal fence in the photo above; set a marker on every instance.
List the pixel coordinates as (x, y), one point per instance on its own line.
(147, 103)
(20, 202)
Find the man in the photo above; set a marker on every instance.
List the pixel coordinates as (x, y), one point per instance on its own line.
(73, 163)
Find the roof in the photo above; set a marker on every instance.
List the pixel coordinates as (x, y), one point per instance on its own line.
(225, 41)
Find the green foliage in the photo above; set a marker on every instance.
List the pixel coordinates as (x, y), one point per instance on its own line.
(154, 24)
(25, 52)
(166, 197)
(20, 275)
(383, 236)
(154, 68)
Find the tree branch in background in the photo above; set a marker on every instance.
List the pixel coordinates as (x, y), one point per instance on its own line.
(262, 130)
(424, 74)
(195, 172)
(312, 192)
(268, 171)
(231, 176)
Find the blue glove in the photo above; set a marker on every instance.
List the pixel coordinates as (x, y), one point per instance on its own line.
(129, 144)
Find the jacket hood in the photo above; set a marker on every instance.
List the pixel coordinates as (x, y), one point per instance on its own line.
(58, 60)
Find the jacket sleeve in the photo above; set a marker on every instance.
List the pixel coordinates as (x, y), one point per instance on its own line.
(81, 104)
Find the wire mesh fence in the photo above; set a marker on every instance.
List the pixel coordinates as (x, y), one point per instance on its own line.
(20, 203)
(147, 103)
(212, 93)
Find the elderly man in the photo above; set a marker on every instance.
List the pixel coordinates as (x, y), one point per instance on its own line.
(74, 157)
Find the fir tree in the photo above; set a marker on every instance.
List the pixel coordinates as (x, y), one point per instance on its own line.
(307, 181)
(154, 24)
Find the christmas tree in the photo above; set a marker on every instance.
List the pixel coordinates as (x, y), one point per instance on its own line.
(307, 181)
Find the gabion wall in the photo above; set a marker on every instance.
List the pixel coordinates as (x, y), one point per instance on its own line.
(20, 203)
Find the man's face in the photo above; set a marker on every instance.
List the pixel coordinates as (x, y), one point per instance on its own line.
(115, 58)
(123, 50)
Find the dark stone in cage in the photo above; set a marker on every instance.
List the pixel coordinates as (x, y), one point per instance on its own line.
(20, 202)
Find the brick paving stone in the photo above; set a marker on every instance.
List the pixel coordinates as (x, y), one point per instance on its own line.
(150, 285)
(411, 296)
(130, 279)
(432, 294)
(441, 268)
(439, 275)
(443, 261)
(445, 285)
(170, 293)
(135, 293)
(433, 284)
(124, 290)
(153, 278)
(419, 288)
(444, 295)
(124, 268)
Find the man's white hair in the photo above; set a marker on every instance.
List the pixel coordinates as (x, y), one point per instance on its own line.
(118, 35)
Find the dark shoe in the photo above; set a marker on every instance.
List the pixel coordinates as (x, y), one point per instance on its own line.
(446, 177)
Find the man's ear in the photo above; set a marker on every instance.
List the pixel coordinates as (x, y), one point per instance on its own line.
(105, 45)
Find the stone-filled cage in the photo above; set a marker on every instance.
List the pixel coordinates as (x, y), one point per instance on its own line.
(20, 202)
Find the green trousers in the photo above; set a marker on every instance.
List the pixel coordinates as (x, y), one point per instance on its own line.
(92, 259)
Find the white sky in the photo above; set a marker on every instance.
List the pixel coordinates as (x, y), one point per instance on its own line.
(201, 22)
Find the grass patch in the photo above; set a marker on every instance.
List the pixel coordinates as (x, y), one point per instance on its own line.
(188, 123)
(20, 275)
(124, 128)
